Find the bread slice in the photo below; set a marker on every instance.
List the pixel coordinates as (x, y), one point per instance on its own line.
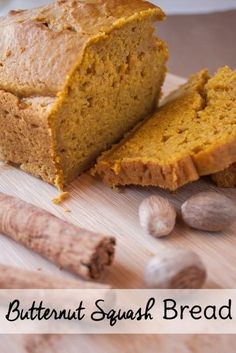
(226, 178)
(74, 77)
(193, 134)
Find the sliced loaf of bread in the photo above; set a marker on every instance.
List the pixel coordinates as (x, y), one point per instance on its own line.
(193, 134)
(75, 76)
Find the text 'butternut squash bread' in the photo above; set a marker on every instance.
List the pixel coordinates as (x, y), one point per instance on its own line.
(193, 134)
(75, 76)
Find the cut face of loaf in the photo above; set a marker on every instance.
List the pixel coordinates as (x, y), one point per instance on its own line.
(75, 76)
(193, 134)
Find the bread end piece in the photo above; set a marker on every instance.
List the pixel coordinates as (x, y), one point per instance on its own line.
(225, 178)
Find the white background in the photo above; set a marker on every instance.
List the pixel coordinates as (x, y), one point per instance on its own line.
(170, 6)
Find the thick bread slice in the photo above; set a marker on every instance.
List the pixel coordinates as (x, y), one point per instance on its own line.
(193, 134)
(75, 76)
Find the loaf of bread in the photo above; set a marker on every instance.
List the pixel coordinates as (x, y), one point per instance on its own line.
(193, 134)
(74, 77)
(226, 178)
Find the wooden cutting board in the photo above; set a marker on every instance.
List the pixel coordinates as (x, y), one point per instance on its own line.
(98, 208)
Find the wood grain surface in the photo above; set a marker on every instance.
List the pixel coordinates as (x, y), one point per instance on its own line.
(98, 208)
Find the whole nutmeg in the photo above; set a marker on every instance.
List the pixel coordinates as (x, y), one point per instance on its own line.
(209, 211)
(175, 268)
(157, 216)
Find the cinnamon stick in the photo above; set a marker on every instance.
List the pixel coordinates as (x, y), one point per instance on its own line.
(16, 278)
(74, 249)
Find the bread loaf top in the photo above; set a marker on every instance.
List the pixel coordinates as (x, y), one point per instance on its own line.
(39, 48)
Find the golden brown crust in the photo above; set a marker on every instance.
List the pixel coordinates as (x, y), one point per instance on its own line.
(218, 158)
(39, 48)
(226, 178)
(173, 176)
(24, 134)
(149, 174)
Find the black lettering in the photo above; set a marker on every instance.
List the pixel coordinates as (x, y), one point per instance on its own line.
(113, 317)
(228, 309)
(36, 311)
(210, 312)
(100, 314)
(13, 308)
(182, 309)
(46, 315)
(169, 308)
(150, 304)
(195, 312)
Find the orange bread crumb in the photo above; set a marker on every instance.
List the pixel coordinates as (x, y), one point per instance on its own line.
(61, 198)
(193, 134)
